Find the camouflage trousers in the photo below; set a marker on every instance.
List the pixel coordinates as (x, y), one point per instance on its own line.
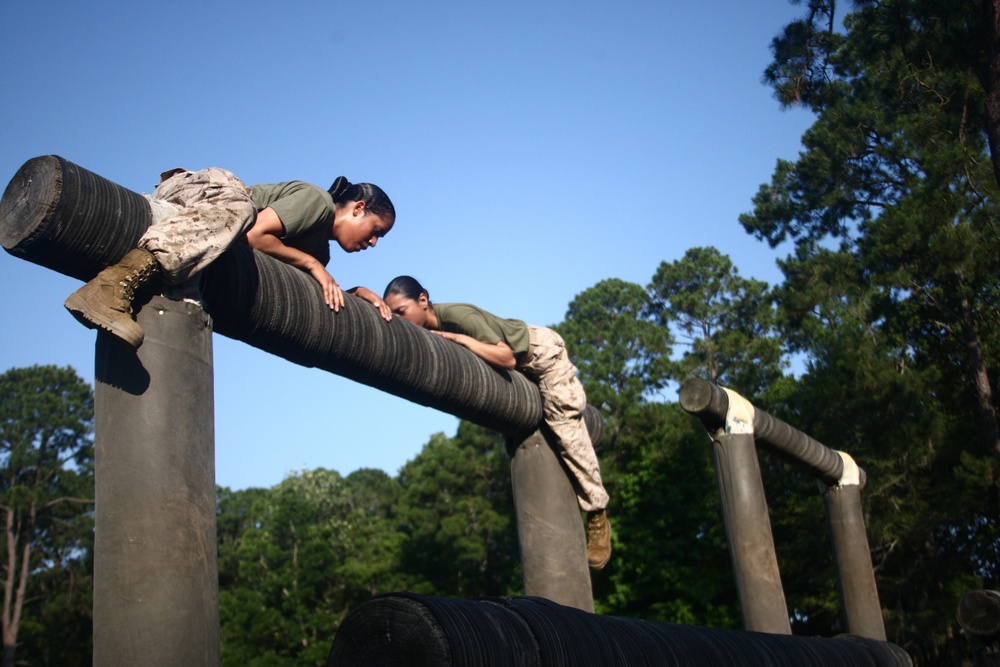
(196, 216)
(563, 403)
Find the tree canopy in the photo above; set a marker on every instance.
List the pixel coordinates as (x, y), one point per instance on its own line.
(890, 211)
(46, 497)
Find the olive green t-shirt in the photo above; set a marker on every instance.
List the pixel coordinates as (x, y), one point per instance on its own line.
(483, 326)
(305, 210)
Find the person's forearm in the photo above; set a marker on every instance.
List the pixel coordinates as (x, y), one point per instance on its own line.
(275, 247)
(497, 355)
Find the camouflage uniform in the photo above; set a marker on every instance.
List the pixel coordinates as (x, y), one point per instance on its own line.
(541, 355)
(563, 403)
(196, 216)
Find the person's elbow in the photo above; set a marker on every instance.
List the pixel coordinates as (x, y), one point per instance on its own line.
(506, 362)
(255, 239)
(503, 357)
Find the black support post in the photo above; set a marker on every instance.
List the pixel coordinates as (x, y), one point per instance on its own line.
(748, 532)
(549, 526)
(155, 571)
(856, 578)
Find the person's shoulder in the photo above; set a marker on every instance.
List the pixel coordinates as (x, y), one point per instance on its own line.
(288, 187)
(466, 313)
(451, 310)
(295, 193)
(458, 307)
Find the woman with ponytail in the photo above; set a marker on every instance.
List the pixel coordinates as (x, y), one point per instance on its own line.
(198, 215)
(539, 353)
(296, 222)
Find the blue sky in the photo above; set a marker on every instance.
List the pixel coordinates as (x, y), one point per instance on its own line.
(532, 149)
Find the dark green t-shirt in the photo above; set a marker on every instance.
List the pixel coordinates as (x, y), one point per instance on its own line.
(483, 326)
(305, 210)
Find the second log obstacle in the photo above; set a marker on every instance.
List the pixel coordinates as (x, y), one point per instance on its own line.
(405, 629)
(400, 629)
(737, 428)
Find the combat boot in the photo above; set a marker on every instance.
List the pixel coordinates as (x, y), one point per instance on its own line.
(106, 301)
(598, 539)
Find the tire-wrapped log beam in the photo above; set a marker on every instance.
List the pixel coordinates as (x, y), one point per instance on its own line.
(66, 218)
(710, 403)
(401, 629)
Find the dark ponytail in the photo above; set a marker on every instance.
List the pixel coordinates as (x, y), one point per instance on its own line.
(406, 287)
(376, 201)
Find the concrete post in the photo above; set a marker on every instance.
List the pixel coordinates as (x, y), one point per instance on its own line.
(549, 525)
(858, 593)
(748, 531)
(155, 573)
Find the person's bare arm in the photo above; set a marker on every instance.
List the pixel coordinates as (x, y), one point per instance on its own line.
(374, 299)
(499, 355)
(265, 235)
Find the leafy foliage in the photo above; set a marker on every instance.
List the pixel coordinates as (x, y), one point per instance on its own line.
(670, 562)
(725, 321)
(623, 357)
(457, 517)
(890, 292)
(295, 558)
(46, 497)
